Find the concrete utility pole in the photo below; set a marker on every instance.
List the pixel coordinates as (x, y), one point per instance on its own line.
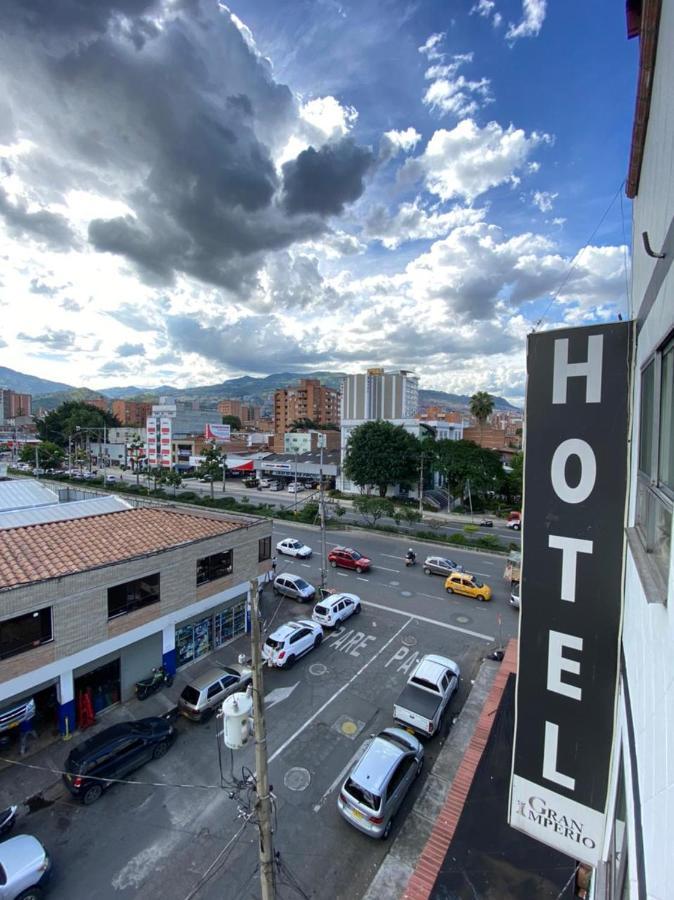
(321, 509)
(264, 811)
(421, 483)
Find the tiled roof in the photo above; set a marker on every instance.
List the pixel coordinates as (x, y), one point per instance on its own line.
(52, 550)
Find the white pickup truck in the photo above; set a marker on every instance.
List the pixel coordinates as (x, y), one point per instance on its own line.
(429, 689)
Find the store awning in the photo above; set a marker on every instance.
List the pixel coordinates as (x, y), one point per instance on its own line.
(244, 467)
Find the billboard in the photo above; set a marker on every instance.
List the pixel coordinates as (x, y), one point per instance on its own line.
(217, 433)
(575, 479)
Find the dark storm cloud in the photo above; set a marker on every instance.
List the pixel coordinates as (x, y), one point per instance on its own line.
(252, 344)
(54, 340)
(324, 181)
(130, 350)
(43, 226)
(178, 117)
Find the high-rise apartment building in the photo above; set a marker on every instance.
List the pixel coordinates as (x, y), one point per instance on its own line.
(14, 405)
(246, 413)
(131, 413)
(380, 395)
(309, 399)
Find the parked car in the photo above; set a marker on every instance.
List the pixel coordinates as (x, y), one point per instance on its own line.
(441, 565)
(373, 791)
(111, 479)
(347, 558)
(291, 547)
(205, 693)
(19, 711)
(335, 608)
(514, 521)
(285, 645)
(468, 585)
(289, 585)
(427, 693)
(25, 867)
(295, 488)
(515, 594)
(114, 753)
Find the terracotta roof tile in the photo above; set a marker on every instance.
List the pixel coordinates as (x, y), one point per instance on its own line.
(54, 549)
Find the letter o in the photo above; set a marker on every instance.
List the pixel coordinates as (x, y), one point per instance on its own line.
(588, 470)
(589, 843)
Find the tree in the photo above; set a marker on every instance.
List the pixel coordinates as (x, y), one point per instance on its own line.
(381, 454)
(211, 465)
(304, 424)
(373, 508)
(481, 406)
(173, 478)
(411, 516)
(463, 461)
(61, 423)
(233, 421)
(136, 450)
(514, 478)
(49, 455)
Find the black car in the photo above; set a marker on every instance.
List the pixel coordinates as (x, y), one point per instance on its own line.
(114, 753)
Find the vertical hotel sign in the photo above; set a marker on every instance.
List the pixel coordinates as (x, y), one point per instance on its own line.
(577, 417)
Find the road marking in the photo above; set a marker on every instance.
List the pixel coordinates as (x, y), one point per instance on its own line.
(359, 578)
(396, 571)
(327, 703)
(342, 775)
(342, 574)
(404, 612)
(431, 596)
(390, 556)
(305, 565)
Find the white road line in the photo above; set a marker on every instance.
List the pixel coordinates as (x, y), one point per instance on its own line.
(342, 574)
(327, 703)
(358, 578)
(305, 565)
(342, 775)
(403, 612)
(397, 571)
(390, 556)
(431, 596)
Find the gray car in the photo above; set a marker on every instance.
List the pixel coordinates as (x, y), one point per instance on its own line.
(205, 693)
(440, 565)
(373, 792)
(293, 586)
(25, 868)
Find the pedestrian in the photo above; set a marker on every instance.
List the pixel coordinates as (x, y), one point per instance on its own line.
(26, 730)
(272, 571)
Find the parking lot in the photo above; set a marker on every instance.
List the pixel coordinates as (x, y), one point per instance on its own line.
(158, 838)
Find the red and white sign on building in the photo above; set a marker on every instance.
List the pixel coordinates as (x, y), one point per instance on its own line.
(218, 433)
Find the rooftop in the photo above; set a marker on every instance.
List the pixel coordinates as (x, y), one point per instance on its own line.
(24, 493)
(55, 549)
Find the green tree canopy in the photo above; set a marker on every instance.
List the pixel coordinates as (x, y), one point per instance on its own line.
(49, 454)
(481, 406)
(464, 461)
(213, 461)
(381, 454)
(373, 508)
(61, 423)
(233, 421)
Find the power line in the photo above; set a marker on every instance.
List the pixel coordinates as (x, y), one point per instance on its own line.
(575, 259)
(217, 863)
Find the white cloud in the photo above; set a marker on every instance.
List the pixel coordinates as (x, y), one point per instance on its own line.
(320, 120)
(487, 10)
(469, 160)
(430, 48)
(533, 16)
(544, 200)
(392, 142)
(459, 97)
(412, 222)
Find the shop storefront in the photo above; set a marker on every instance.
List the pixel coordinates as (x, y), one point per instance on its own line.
(96, 689)
(210, 631)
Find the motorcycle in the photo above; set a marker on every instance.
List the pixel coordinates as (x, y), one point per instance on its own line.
(410, 561)
(7, 820)
(486, 523)
(151, 685)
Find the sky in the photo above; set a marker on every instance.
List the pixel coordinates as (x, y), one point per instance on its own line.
(191, 191)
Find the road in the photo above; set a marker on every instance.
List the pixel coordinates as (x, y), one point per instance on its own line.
(159, 839)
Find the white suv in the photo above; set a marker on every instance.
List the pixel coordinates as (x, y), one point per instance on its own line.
(285, 645)
(334, 608)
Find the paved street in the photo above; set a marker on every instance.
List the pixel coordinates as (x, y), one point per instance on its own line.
(158, 839)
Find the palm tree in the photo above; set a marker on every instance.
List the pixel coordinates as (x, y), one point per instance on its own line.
(481, 406)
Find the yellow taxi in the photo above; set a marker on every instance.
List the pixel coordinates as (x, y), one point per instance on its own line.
(468, 585)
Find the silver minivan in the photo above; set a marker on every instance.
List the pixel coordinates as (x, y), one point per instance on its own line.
(293, 586)
(377, 785)
(204, 693)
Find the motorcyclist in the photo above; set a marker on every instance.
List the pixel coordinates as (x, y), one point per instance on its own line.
(411, 556)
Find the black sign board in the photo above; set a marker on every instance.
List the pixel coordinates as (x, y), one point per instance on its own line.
(575, 481)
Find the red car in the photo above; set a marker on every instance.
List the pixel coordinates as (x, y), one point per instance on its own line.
(348, 559)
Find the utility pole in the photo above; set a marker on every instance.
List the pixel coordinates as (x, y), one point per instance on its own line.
(470, 499)
(264, 811)
(321, 509)
(295, 503)
(421, 483)
(37, 465)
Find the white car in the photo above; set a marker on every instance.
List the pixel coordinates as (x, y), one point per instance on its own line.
(291, 547)
(111, 479)
(25, 865)
(335, 608)
(284, 646)
(295, 488)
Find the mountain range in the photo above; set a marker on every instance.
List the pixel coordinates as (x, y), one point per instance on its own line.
(50, 394)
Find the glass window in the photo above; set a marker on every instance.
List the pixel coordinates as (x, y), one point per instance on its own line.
(25, 632)
(666, 443)
(646, 421)
(210, 568)
(132, 595)
(264, 549)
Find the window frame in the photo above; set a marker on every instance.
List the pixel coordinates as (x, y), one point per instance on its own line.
(264, 548)
(654, 498)
(39, 642)
(133, 606)
(213, 574)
